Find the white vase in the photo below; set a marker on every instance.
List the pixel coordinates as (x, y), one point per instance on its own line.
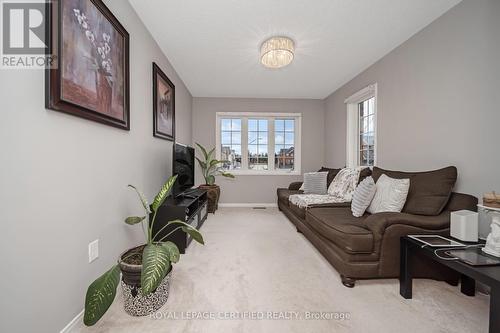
(492, 246)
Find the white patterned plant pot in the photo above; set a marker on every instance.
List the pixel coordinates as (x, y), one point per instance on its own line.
(137, 304)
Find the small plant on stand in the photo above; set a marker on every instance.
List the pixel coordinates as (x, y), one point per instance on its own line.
(211, 168)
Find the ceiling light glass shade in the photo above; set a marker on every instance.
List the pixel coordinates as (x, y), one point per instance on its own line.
(277, 52)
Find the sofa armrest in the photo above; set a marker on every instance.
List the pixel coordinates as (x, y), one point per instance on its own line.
(377, 223)
(295, 186)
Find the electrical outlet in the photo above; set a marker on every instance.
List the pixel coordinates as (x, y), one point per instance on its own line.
(93, 250)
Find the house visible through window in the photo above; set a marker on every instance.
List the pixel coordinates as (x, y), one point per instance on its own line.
(231, 143)
(284, 144)
(248, 141)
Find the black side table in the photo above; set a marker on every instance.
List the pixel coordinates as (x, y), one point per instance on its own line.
(489, 275)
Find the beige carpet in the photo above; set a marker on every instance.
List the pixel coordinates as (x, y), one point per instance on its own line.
(254, 262)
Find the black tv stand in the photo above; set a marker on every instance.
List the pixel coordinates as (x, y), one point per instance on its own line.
(189, 192)
(190, 208)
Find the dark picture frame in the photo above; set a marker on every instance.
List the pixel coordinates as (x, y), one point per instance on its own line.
(108, 101)
(163, 105)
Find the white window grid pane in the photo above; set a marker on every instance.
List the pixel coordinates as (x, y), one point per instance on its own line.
(258, 160)
(236, 124)
(231, 143)
(284, 155)
(366, 125)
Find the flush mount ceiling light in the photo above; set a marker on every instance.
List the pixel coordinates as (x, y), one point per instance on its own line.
(277, 52)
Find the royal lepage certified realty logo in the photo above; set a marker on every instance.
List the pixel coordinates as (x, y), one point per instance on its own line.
(25, 38)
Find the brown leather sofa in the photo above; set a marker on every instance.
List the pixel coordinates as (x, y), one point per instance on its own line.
(368, 247)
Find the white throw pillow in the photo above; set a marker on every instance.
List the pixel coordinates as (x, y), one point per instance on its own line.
(390, 195)
(315, 183)
(363, 196)
(344, 184)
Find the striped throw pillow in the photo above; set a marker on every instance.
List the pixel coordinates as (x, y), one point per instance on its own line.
(315, 182)
(363, 196)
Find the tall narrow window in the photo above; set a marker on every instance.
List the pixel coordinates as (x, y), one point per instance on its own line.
(231, 143)
(362, 128)
(259, 143)
(366, 117)
(284, 144)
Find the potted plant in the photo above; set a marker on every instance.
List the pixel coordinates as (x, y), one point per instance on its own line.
(145, 269)
(211, 168)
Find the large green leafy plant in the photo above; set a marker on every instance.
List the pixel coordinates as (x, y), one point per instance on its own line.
(210, 166)
(157, 257)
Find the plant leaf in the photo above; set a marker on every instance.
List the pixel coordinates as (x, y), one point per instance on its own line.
(131, 220)
(155, 265)
(173, 251)
(210, 153)
(203, 150)
(194, 233)
(203, 165)
(214, 163)
(211, 180)
(227, 174)
(100, 295)
(144, 202)
(164, 191)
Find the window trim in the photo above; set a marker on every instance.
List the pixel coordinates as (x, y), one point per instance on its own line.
(352, 132)
(270, 116)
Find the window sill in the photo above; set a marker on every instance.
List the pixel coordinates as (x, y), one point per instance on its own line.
(264, 173)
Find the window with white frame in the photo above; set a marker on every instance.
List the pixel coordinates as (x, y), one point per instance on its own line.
(366, 146)
(259, 143)
(361, 127)
(231, 143)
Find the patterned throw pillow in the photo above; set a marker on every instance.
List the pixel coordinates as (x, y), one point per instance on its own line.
(344, 184)
(363, 196)
(390, 195)
(315, 182)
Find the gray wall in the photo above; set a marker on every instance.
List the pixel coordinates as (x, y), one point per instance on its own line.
(63, 184)
(437, 99)
(261, 189)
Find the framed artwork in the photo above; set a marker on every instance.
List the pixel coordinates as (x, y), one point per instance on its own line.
(91, 79)
(163, 105)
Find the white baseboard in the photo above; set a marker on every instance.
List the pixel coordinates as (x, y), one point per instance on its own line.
(72, 324)
(247, 205)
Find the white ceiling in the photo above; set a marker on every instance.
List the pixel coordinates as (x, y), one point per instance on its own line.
(214, 44)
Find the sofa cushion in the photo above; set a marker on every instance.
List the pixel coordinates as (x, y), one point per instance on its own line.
(390, 195)
(284, 194)
(315, 182)
(331, 174)
(363, 196)
(339, 226)
(295, 186)
(429, 191)
(301, 211)
(363, 174)
(344, 184)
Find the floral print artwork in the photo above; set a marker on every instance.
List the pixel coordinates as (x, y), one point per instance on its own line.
(92, 60)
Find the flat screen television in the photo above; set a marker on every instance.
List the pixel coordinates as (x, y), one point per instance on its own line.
(183, 167)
